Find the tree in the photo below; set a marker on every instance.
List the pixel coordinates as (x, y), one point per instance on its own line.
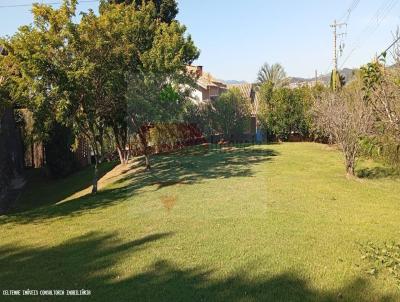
(148, 57)
(337, 80)
(284, 111)
(381, 87)
(78, 74)
(346, 117)
(159, 87)
(109, 45)
(274, 74)
(231, 114)
(166, 9)
(201, 116)
(55, 77)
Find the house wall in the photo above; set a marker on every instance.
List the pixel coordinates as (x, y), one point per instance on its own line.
(197, 94)
(201, 94)
(205, 94)
(214, 91)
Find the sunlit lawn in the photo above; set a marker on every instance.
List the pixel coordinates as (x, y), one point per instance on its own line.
(265, 223)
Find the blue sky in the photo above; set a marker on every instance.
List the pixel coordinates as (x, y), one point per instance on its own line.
(237, 37)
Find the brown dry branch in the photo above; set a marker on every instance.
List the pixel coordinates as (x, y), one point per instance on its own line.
(346, 118)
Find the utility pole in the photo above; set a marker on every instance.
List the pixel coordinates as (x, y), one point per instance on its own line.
(335, 75)
(316, 77)
(335, 27)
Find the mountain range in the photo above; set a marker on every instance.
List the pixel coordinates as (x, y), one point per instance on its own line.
(347, 72)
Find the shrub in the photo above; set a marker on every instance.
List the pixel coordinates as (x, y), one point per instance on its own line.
(231, 114)
(284, 111)
(383, 149)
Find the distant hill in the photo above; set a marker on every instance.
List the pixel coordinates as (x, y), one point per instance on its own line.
(347, 72)
(232, 82)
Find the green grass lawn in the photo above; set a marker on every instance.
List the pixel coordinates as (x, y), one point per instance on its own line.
(268, 223)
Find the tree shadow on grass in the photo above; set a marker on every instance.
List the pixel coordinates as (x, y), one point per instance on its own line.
(196, 166)
(172, 169)
(53, 191)
(378, 173)
(94, 261)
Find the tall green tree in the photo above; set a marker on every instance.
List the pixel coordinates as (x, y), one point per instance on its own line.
(61, 77)
(78, 74)
(159, 88)
(140, 59)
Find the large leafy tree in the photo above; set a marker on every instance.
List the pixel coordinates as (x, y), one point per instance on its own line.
(141, 65)
(78, 74)
(54, 77)
(159, 88)
(108, 47)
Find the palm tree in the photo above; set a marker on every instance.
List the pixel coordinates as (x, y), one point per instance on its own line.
(274, 74)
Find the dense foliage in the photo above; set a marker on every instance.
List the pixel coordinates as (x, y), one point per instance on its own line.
(284, 111)
(228, 115)
(87, 75)
(231, 114)
(363, 117)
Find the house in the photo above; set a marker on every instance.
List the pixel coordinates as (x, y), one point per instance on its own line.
(250, 93)
(207, 87)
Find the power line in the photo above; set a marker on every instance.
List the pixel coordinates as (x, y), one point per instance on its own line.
(389, 47)
(341, 22)
(47, 3)
(347, 14)
(379, 16)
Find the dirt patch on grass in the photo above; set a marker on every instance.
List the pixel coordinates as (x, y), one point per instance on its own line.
(169, 201)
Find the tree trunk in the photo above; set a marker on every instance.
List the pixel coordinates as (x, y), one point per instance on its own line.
(147, 158)
(121, 143)
(350, 169)
(146, 153)
(95, 175)
(101, 142)
(350, 164)
(96, 171)
(123, 155)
